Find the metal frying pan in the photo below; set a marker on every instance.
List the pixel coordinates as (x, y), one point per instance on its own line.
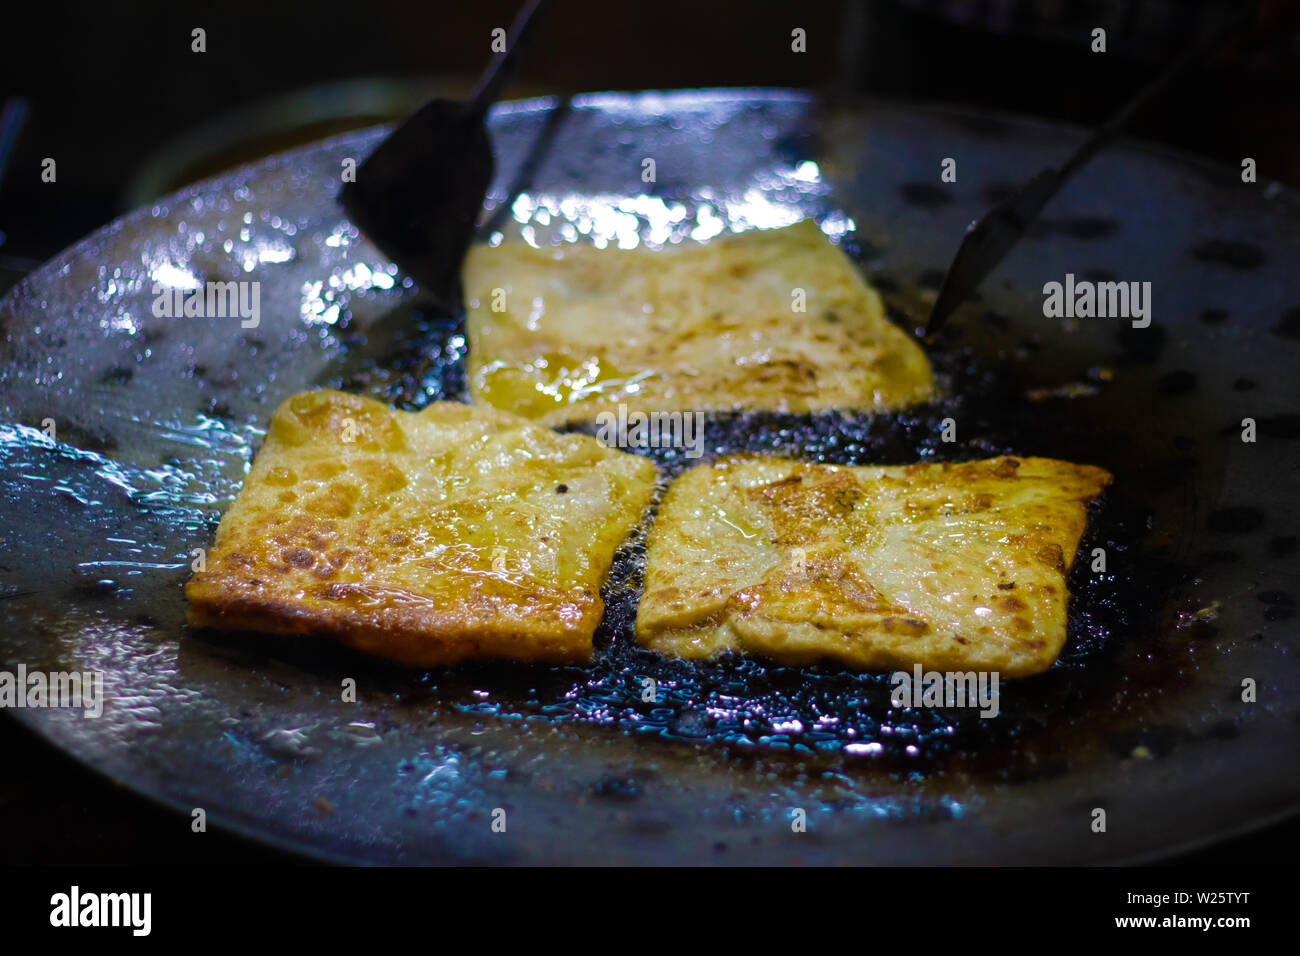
(155, 420)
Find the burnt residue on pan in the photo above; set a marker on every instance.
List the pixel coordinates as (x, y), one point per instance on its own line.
(1007, 398)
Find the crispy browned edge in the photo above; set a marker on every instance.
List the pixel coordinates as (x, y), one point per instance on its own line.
(405, 635)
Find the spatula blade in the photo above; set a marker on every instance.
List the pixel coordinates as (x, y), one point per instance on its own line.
(418, 195)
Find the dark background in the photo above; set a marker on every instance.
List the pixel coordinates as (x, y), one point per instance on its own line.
(114, 87)
(114, 93)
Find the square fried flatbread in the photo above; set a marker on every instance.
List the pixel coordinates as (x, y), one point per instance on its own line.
(952, 566)
(456, 532)
(559, 335)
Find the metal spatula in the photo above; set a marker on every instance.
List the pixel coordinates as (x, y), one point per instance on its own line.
(419, 193)
(990, 238)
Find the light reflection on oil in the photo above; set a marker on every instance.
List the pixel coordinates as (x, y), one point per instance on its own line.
(775, 198)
